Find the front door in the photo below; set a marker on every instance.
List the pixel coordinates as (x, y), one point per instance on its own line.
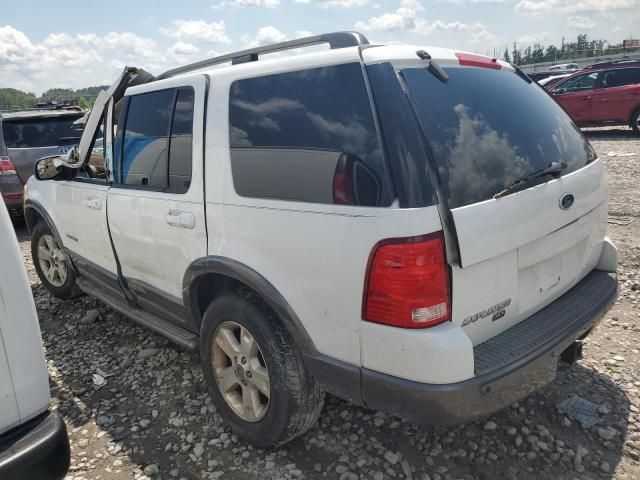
(81, 206)
(156, 201)
(575, 96)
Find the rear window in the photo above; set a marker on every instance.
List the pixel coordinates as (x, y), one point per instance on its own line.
(43, 132)
(489, 128)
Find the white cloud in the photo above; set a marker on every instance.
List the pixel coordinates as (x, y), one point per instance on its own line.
(404, 18)
(407, 18)
(264, 36)
(247, 3)
(337, 3)
(581, 23)
(192, 30)
(538, 7)
(183, 52)
(73, 61)
(541, 37)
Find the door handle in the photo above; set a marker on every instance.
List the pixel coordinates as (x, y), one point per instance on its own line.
(177, 218)
(584, 99)
(94, 202)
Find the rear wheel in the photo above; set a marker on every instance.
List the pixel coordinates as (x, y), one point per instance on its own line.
(255, 374)
(52, 264)
(635, 121)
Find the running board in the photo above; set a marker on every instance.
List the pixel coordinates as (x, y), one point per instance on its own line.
(176, 334)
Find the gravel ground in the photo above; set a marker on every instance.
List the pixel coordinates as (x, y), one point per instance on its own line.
(154, 419)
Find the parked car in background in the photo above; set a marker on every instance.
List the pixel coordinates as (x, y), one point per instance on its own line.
(26, 136)
(376, 222)
(607, 95)
(552, 80)
(564, 66)
(33, 439)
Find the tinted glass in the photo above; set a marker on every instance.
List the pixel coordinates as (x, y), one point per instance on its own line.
(180, 146)
(620, 77)
(489, 128)
(145, 156)
(580, 83)
(43, 132)
(288, 133)
(405, 146)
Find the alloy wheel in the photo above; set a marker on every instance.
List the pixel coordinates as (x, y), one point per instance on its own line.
(240, 371)
(52, 260)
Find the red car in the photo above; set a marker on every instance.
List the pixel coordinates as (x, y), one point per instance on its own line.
(605, 94)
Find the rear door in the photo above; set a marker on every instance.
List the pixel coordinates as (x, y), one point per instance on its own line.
(618, 95)
(521, 251)
(575, 96)
(34, 137)
(156, 200)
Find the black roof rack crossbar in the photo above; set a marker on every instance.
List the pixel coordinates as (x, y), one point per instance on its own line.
(335, 40)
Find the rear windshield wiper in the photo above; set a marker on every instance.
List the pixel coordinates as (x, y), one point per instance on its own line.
(433, 67)
(554, 169)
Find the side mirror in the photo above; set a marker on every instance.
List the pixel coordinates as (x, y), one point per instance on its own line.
(48, 168)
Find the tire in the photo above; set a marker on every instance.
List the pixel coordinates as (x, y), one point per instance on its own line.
(635, 121)
(294, 402)
(62, 283)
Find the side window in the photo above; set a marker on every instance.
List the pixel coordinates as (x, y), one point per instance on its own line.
(620, 77)
(580, 83)
(154, 143)
(181, 142)
(145, 151)
(96, 165)
(307, 136)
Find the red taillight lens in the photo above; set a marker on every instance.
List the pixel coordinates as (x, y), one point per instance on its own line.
(471, 60)
(408, 283)
(6, 166)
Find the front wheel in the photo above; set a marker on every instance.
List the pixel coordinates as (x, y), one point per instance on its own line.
(635, 121)
(256, 376)
(52, 264)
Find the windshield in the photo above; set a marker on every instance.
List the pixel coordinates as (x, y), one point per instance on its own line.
(40, 132)
(489, 128)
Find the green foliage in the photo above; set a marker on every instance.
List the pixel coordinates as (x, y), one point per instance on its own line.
(11, 98)
(582, 47)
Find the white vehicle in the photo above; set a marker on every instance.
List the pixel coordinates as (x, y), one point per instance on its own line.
(33, 440)
(376, 222)
(564, 66)
(553, 78)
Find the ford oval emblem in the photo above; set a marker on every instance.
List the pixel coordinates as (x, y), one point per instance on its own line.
(566, 201)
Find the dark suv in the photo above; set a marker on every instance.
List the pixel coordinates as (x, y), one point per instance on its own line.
(26, 136)
(603, 94)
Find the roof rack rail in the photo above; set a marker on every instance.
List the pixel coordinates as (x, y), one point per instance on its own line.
(335, 40)
(612, 63)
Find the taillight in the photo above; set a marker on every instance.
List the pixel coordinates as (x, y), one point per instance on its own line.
(471, 60)
(407, 283)
(6, 166)
(343, 193)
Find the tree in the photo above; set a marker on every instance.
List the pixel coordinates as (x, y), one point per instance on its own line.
(506, 56)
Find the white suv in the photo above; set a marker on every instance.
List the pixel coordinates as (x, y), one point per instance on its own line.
(33, 440)
(414, 229)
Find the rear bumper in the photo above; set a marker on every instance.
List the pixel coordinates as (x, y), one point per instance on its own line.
(508, 367)
(37, 449)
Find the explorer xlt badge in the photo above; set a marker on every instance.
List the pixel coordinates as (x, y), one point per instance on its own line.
(498, 309)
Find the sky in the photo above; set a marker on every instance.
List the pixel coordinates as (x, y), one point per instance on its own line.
(75, 44)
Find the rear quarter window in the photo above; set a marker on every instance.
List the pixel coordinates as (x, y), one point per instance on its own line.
(307, 136)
